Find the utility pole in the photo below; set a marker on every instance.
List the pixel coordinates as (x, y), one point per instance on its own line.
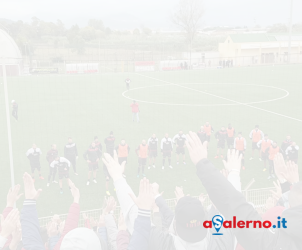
(290, 27)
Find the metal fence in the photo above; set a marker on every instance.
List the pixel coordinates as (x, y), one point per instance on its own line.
(257, 197)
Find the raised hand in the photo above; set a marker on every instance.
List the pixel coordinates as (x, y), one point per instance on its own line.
(16, 237)
(291, 173)
(13, 195)
(8, 224)
(233, 160)
(277, 195)
(179, 193)
(114, 168)
(110, 206)
(280, 166)
(197, 150)
(145, 197)
(52, 229)
(74, 191)
(29, 188)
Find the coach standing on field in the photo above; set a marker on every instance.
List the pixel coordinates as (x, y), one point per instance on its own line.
(135, 110)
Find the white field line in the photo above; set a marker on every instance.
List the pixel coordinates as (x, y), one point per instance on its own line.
(223, 98)
(206, 105)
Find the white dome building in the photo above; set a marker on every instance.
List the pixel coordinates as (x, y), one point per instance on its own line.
(9, 54)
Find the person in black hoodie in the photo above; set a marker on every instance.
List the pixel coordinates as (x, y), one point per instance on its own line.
(71, 154)
(92, 156)
(231, 203)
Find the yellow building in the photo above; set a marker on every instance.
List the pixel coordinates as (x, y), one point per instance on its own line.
(248, 49)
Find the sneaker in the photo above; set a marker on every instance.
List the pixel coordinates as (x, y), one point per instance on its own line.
(260, 159)
(264, 169)
(55, 182)
(149, 167)
(94, 180)
(163, 167)
(137, 176)
(47, 184)
(184, 163)
(153, 166)
(269, 177)
(108, 193)
(114, 190)
(170, 167)
(41, 177)
(88, 182)
(251, 158)
(216, 157)
(177, 163)
(243, 167)
(273, 176)
(61, 192)
(221, 156)
(144, 175)
(76, 173)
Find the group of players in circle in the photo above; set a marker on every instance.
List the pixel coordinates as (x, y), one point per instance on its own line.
(61, 164)
(148, 149)
(267, 148)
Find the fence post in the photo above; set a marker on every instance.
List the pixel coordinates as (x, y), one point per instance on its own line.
(8, 125)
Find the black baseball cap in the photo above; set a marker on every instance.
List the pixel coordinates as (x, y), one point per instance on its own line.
(189, 217)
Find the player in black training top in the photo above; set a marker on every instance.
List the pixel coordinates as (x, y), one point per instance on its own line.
(62, 165)
(128, 81)
(180, 140)
(166, 146)
(33, 154)
(109, 143)
(71, 154)
(152, 150)
(92, 156)
(15, 109)
(221, 137)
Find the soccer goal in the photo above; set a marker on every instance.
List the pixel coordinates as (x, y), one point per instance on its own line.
(82, 68)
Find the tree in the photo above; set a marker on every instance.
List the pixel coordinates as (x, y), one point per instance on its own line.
(100, 34)
(79, 45)
(88, 33)
(278, 28)
(188, 16)
(136, 31)
(147, 31)
(108, 31)
(297, 27)
(96, 24)
(61, 30)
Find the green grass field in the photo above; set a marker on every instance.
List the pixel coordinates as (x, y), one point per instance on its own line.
(51, 108)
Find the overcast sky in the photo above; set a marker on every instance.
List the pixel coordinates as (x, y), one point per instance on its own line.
(126, 14)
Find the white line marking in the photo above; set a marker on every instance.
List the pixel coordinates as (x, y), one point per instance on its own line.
(205, 105)
(247, 105)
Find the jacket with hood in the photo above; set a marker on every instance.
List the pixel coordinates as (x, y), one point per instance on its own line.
(231, 203)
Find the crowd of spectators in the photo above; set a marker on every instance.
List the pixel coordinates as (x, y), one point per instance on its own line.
(147, 222)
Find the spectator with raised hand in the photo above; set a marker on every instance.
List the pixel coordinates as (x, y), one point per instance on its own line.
(166, 214)
(53, 234)
(73, 216)
(142, 225)
(8, 226)
(12, 197)
(110, 222)
(123, 236)
(231, 203)
(291, 172)
(233, 166)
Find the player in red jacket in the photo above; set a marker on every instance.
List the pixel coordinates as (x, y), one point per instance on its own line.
(135, 110)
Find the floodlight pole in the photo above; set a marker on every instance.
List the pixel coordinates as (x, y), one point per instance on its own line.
(9, 135)
(290, 30)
